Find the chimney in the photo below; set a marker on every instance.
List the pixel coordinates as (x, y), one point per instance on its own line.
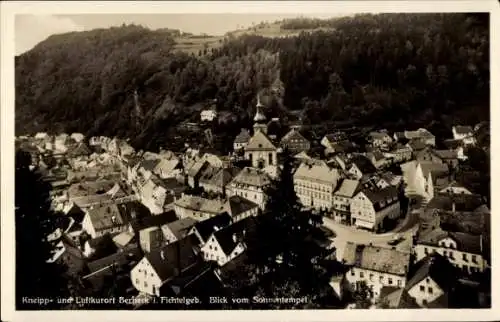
(453, 207)
(113, 219)
(235, 238)
(162, 254)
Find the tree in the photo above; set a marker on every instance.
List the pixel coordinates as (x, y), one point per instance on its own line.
(285, 253)
(34, 221)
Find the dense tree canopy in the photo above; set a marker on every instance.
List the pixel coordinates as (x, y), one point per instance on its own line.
(34, 221)
(393, 70)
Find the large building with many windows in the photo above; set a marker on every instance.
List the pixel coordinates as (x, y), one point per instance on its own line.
(314, 183)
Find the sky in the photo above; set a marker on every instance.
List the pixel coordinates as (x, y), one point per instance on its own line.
(32, 29)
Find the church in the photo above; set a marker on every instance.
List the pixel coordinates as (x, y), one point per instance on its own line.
(260, 150)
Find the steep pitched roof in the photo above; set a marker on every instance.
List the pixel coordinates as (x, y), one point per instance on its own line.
(436, 267)
(153, 221)
(107, 216)
(317, 171)
(463, 129)
(446, 154)
(348, 188)
(200, 204)
(416, 144)
(236, 205)
(292, 135)
(465, 242)
(397, 298)
(260, 142)
(230, 236)
(382, 198)
(242, 137)
(197, 167)
(363, 164)
(206, 227)
(181, 227)
(169, 261)
(378, 259)
(433, 168)
(336, 137)
(149, 164)
(252, 177)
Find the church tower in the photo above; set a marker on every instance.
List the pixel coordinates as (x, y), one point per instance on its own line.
(259, 119)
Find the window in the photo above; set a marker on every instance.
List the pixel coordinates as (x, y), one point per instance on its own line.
(353, 273)
(381, 278)
(137, 281)
(371, 277)
(426, 250)
(422, 288)
(270, 159)
(430, 290)
(474, 258)
(361, 274)
(390, 281)
(145, 284)
(464, 257)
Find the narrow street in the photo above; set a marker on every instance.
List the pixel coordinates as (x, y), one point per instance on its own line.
(344, 234)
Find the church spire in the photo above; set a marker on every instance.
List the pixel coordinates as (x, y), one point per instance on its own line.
(259, 115)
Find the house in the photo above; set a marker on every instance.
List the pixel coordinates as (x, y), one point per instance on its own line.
(217, 182)
(177, 230)
(421, 134)
(450, 157)
(195, 172)
(295, 142)
(379, 139)
(146, 167)
(377, 158)
(101, 220)
(145, 219)
(456, 188)
(431, 281)
(388, 179)
(155, 195)
(376, 266)
(157, 268)
(370, 209)
(396, 298)
(167, 168)
(361, 166)
(342, 199)
(204, 229)
(251, 184)
(197, 208)
(342, 147)
(464, 133)
(79, 150)
(61, 143)
(329, 140)
(302, 156)
(150, 238)
(416, 145)
(420, 177)
(240, 208)
(465, 251)
(123, 240)
(260, 151)
(241, 140)
(213, 160)
(227, 243)
(208, 115)
(315, 183)
(99, 247)
(400, 153)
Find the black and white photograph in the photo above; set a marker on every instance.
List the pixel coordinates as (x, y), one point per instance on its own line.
(330, 161)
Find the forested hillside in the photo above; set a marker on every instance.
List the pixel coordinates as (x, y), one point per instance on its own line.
(390, 70)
